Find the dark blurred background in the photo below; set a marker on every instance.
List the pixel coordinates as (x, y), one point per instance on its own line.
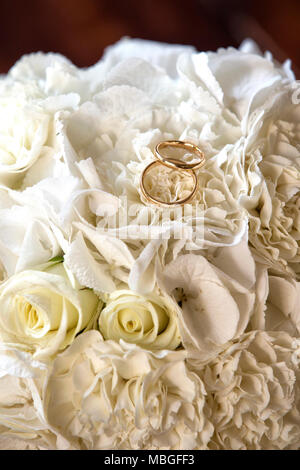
(81, 29)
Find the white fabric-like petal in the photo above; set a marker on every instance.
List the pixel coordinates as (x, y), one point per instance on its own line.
(159, 54)
(87, 270)
(215, 307)
(26, 239)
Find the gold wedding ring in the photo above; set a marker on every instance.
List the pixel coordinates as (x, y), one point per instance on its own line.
(176, 164)
(179, 164)
(163, 203)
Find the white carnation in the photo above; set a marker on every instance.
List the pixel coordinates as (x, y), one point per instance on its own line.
(103, 395)
(274, 222)
(21, 410)
(253, 393)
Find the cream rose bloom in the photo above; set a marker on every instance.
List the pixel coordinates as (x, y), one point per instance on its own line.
(104, 395)
(253, 393)
(24, 132)
(34, 90)
(149, 321)
(41, 311)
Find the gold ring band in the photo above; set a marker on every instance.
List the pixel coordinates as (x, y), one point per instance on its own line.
(163, 203)
(174, 163)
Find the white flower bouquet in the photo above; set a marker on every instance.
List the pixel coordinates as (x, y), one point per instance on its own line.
(115, 331)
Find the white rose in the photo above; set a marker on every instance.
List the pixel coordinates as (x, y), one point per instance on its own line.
(148, 321)
(253, 392)
(38, 86)
(42, 311)
(23, 135)
(104, 395)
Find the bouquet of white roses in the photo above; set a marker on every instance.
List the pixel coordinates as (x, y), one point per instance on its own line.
(115, 332)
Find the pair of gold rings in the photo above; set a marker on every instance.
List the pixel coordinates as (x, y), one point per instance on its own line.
(175, 164)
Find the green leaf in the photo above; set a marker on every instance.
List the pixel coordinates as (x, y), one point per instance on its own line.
(57, 259)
